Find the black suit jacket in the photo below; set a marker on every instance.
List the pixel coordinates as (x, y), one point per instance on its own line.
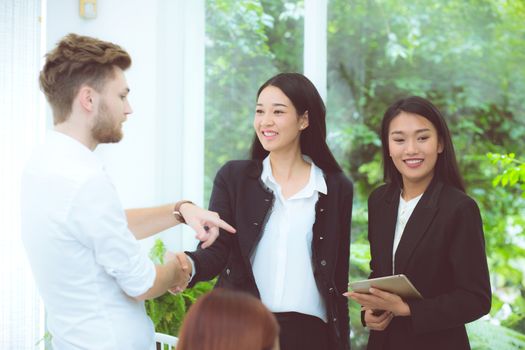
(241, 199)
(442, 251)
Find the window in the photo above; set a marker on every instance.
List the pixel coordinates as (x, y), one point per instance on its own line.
(21, 319)
(247, 42)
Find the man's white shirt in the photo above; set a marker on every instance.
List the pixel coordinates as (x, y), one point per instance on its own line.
(86, 262)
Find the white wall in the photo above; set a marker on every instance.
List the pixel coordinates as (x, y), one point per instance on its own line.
(165, 133)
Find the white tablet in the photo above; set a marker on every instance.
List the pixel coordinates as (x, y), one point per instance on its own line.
(396, 284)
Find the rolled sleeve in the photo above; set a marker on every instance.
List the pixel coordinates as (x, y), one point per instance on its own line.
(99, 222)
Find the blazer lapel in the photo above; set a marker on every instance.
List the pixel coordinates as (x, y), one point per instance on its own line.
(255, 214)
(417, 225)
(387, 212)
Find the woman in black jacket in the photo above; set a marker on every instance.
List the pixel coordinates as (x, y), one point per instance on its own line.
(291, 205)
(422, 224)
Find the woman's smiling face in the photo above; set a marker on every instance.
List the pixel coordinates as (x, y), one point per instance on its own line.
(414, 145)
(276, 122)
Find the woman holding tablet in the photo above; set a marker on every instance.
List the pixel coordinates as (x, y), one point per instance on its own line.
(291, 205)
(423, 225)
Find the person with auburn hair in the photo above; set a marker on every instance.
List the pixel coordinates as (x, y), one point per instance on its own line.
(421, 223)
(82, 246)
(228, 320)
(292, 206)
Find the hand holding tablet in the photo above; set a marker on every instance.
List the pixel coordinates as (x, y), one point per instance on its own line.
(396, 284)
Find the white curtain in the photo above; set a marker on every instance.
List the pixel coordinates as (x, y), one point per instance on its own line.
(22, 124)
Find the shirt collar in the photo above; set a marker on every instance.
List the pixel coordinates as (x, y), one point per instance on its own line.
(266, 175)
(410, 204)
(316, 181)
(66, 142)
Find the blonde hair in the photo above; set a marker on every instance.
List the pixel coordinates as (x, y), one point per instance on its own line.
(75, 61)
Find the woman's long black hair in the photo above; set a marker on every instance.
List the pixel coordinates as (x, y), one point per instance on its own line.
(304, 97)
(446, 169)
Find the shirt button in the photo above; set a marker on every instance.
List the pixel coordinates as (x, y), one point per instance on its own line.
(323, 262)
(227, 271)
(321, 238)
(334, 319)
(321, 210)
(266, 200)
(331, 290)
(255, 224)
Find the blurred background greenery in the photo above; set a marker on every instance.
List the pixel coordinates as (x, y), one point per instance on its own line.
(467, 56)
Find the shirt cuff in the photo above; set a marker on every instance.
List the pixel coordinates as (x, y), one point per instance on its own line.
(192, 267)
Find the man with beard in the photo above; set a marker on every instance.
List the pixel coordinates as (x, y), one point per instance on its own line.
(82, 246)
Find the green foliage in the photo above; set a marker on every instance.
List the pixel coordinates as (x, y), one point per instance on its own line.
(512, 170)
(359, 269)
(157, 252)
(167, 311)
(484, 335)
(510, 259)
(46, 340)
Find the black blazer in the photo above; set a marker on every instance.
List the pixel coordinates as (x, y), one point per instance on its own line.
(241, 199)
(442, 251)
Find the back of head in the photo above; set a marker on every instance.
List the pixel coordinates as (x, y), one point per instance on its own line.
(75, 61)
(446, 168)
(305, 98)
(228, 320)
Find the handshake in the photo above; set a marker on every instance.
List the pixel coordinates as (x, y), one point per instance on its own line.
(174, 275)
(182, 270)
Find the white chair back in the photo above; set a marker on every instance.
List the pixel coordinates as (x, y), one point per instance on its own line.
(166, 341)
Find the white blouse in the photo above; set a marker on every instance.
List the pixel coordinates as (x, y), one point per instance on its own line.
(403, 214)
(282, 260)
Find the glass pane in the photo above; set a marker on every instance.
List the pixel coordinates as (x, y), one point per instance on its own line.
(468, 58)
(23, 125)
(247, 42)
